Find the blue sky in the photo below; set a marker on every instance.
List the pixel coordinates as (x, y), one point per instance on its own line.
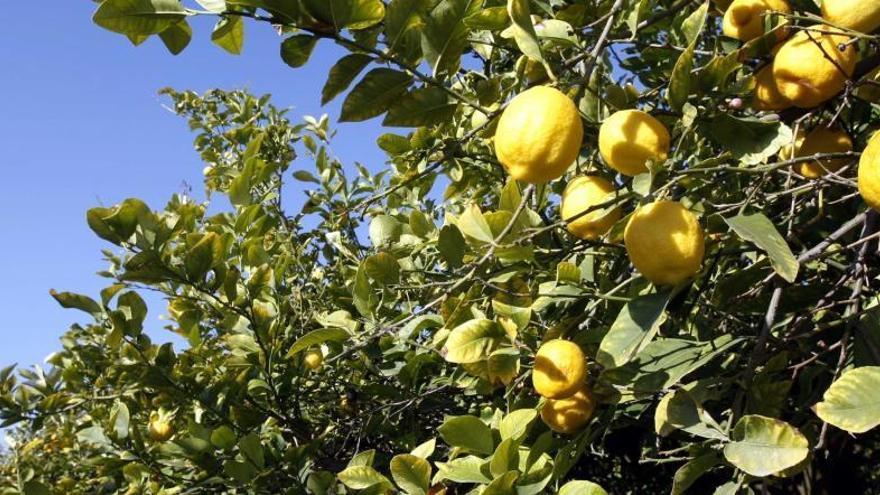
(81, 125)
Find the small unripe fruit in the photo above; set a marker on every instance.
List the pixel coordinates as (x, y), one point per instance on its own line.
(314, 359)
(159, 429)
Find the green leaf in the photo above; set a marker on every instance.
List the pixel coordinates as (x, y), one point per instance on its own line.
(138, 17)
(763, 446)
(634, 327)
(749, 140)
(342, 74)
(467, 432)
(34, 487)
(177, 37)
(70, 300)
(317, 337)
(851, 403)
(119, 223)
(580, 487)
(472, 341)
(426, 449)
(393, 144)
(502, 485)
(421, 107)
(363, 477)
(491, 19)
(120, 418)
(445, 34)
(252, 449)
(505, 458)
(468, 469)
(681, 80)
(296, 50)
(374, 94)
(523, 29)
(759, 230)
(362, 292)
(693, 25)
(412, 474)
(223, 437)
(215, 6)
(363, 458)
(451, 245)
(516, 424)
(384, 230)
(383, 268)
(347, 14)
(229, 34)
(201, 256)
(473, 224)
(678, 410)
(691, 471)
(241, 471)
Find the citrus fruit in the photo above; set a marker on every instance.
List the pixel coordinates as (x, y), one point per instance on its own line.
(159, 428)
(629, 138)
(744, 19)
(313, 359)
(560, 369)
(582, 194)
(858, 15)
(822, 140)
(787, 152)
(869, 172)
(539, 135)
(767, 96)
(664, 242)
(810, 68)
(570, 414)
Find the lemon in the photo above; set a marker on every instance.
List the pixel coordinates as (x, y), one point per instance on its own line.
(664, 242)
(767, 96)
(822, 140)
(869, 172)
(788, 151)
(570, 414)
(313, 359)
(744, 19)
(629, 138)
(539, 135)
(582, 194)
(159, 428)
(858, 15)
(869, 90)
(810, 68)
(560, 369)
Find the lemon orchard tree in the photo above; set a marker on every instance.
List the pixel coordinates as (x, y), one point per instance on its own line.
(621, 246)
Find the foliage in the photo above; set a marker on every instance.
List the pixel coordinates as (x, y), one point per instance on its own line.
(430, 284)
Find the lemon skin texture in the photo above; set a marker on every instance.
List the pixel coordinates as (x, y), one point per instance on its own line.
(158, 429)
(570, 414)
(802, 72)
(869, 172)
(767, 96)
(313, 359)
(629, 138)
(858, 15)
(823, 140)
(539, 135)
(665, 242)
(744, 19)
(560, 369)
(581, 194)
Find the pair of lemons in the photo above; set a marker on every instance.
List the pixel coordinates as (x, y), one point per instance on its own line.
(814, 64)
(539, 136)
(559, 375)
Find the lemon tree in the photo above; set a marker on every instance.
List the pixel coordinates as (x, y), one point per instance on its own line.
(618, 246)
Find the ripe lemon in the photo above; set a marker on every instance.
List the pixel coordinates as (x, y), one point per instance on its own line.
(744, 19)
(570, 414)
(810, 68)
(560, 369)
(664, 242)
(869, 172)
(580, 195)
(767, 96)
(629, 138)
(313, 359)
(823, 140)
(159, 428)
(858, 15)
(539, 135)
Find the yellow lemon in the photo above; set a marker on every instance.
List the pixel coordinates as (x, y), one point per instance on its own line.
(313, 359)
(570, 414)
(869, 173)
(629, 138)
(159, 428)
(810, 68)
(744, 19)
(560, 369)
(822, 140)
(582, 194)
(858, 15)
(767, 96)
(539, 135)
(664, 242)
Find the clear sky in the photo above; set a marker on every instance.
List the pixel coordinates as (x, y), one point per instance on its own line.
(81, 125)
